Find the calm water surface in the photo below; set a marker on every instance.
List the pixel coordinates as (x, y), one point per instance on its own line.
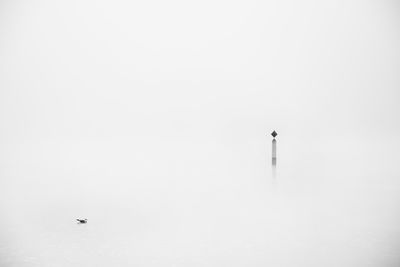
(209, 205)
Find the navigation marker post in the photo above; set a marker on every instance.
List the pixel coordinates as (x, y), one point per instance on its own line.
(274, 134)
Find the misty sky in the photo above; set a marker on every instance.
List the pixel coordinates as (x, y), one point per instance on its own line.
(81, 69)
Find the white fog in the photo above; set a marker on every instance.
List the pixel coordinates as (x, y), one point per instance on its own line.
(152, 119)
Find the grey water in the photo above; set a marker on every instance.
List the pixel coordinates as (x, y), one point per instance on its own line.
(189, 202)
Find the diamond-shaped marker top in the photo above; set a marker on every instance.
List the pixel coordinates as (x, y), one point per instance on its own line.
(274, 134)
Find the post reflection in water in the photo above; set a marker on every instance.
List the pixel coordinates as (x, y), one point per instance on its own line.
(273, 171)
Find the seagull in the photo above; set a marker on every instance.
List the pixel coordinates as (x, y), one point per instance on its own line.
(82, 221)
